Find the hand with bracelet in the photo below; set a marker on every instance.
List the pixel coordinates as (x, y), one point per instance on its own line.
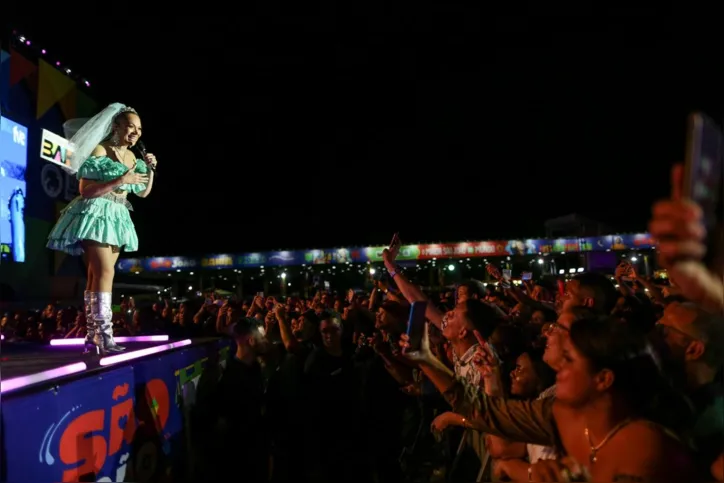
(447, 419)
(389, 255)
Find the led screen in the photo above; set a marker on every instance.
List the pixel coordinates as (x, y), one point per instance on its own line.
(13, 163)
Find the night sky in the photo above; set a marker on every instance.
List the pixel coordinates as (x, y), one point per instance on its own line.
(305, 130)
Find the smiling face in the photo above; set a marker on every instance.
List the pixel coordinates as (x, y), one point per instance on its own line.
(127, 129)
(576, 382)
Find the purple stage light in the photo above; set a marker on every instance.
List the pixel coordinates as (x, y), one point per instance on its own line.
(129, 356)
(2, 336)
(44, 51)
(24, 381)
(138, 338)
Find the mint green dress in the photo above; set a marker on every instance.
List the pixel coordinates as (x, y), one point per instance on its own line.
(104, 219)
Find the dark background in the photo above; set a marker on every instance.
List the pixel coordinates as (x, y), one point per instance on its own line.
(280, 129)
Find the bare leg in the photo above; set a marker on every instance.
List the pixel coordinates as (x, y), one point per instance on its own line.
(89, 272)
(89, 324)
(116, 252)
(101, 262)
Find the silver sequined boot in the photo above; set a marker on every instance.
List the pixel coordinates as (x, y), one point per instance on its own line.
(102, 313)
(89, 323)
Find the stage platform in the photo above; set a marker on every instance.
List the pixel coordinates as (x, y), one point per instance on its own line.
(23, 365)
(68, 416)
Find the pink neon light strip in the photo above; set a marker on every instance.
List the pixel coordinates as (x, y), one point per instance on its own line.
(129, 356)
(137, 338)
(25, 381)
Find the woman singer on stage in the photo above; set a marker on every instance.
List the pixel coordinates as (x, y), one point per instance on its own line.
(98, 224)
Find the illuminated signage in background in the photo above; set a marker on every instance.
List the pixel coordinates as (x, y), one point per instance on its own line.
(57, 176)
(13, 142)
(13, 164)
(54, 148)
(422, 252)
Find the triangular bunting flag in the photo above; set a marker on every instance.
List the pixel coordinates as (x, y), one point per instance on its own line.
(85, 106)
(68, 104)
(20, 67)
(53, 85)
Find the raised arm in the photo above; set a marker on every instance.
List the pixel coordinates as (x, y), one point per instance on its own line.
(530, 422)
(410, 291)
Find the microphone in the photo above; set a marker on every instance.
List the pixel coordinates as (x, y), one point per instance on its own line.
(142, 150)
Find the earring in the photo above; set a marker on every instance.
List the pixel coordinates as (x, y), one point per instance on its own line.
(114, 139)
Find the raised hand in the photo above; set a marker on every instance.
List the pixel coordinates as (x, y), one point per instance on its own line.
(484, 359)
(678, 227)
(493, 271)
(424, 354)
(259, 301)
(280, 310)
(389, 255)
(150, 160)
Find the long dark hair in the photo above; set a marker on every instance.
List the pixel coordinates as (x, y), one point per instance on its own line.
(610, 344)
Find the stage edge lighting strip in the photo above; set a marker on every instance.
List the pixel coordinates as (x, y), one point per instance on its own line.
(25, 381)
(137, 338)
(129, 356)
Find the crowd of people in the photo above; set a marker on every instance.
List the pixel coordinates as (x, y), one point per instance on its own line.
(601, 378)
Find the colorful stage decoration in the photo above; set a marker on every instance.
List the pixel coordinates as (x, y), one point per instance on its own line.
(478, 249)
(130, 422)
(40, 91)
(34, 49)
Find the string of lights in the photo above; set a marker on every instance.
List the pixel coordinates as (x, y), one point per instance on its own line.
(24, 45)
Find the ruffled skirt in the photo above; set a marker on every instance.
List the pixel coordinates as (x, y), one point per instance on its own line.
(105, 219)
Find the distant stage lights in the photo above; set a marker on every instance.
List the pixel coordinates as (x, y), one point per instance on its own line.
(27, 42)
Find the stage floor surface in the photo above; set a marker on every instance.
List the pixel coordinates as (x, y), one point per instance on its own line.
(24, 359)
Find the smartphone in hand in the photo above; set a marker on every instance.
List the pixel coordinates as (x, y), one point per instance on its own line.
(416, 325)
(704, 173)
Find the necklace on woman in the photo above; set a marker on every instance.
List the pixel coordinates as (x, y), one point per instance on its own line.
(595, 449)
(121, 156)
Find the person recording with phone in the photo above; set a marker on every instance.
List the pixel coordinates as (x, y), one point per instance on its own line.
(97, 224)
(678, 225)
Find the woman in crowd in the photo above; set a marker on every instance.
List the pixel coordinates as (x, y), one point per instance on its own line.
(608, 420)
